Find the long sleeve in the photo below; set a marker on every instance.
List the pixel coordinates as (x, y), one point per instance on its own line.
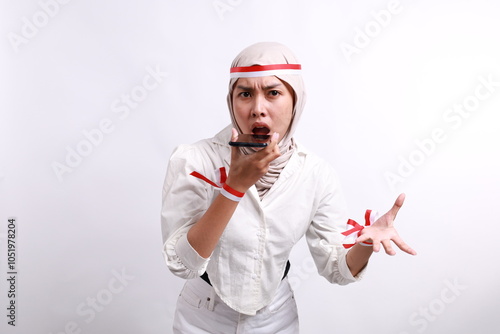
(324, 234)
(185, 200)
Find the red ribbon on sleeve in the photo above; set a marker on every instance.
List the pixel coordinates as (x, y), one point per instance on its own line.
(220, 173)
(225, 189)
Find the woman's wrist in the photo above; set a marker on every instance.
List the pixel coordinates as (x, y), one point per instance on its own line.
(231, 193)
(234, 184)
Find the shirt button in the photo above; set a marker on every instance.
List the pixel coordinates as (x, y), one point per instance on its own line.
(256, 256)
(254, 276)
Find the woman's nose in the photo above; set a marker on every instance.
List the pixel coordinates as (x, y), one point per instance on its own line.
(258, 108)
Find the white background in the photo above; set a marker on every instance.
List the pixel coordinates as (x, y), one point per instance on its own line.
(80, 229)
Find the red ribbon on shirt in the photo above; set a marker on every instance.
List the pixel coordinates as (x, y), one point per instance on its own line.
(355, 231)
(218, 184)
(225, 190)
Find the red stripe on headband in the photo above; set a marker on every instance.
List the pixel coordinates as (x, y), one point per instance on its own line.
(260, 68)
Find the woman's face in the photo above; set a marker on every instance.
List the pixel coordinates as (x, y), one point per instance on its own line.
(263, 105)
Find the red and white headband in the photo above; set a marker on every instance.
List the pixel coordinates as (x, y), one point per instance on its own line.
(264, 70)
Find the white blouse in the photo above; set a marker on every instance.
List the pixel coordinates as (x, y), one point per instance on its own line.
(248, 263)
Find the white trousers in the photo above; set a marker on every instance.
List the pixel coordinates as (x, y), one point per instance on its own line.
(199, 311)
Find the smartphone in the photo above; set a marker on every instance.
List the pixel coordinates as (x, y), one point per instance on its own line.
(251, 140)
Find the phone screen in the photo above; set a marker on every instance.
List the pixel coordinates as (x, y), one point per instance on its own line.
(251, 140)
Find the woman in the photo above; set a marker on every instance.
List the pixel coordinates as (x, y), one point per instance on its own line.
(231, 215)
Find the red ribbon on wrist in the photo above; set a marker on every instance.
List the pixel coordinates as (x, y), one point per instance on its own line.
(232, 191)
(226, 190)
(353, 233)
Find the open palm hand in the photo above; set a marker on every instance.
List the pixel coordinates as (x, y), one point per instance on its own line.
(382, 231)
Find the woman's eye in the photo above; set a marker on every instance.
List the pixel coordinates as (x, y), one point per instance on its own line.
(274, 93)
(245, 94)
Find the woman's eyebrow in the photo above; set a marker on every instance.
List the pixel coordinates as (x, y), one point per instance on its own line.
(271, 86)
(244, 87)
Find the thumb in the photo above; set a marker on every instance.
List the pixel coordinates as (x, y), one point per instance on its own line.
(397, 205)
(234, 134)
(234, 137)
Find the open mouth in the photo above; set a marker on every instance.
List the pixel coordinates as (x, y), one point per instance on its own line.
(261, 133)
(261, 130)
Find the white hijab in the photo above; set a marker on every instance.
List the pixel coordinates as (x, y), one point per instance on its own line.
(271, 53)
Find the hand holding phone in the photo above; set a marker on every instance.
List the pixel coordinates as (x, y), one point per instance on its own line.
(251, 140)
(248, 167)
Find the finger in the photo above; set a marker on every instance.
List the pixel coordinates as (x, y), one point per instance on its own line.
(388, 247)
(362, 238)
(273, 142)
(404, 246)
(397, 205)
(272, 151)
(376, 246)
(365, 235)
(234, 134)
